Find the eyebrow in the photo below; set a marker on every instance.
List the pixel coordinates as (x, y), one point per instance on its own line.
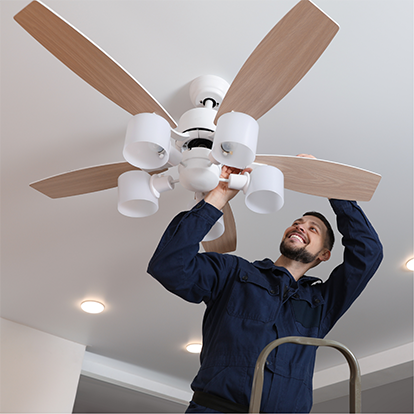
(314, 223)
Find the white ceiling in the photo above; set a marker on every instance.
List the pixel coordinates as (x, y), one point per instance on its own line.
(355, 106)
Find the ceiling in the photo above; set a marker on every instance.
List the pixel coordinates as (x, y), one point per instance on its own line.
(355, 106)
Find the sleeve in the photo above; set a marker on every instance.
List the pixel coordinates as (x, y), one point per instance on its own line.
(178, 265)
(362, 256)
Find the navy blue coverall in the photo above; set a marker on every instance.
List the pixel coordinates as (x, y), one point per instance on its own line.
(250, 304)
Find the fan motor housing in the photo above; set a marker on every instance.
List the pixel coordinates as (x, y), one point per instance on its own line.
(198, 123)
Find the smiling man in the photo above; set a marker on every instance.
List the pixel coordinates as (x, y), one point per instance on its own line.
(309, 240)
(250, 304)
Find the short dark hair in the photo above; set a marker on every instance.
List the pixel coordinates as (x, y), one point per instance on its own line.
(330, 239)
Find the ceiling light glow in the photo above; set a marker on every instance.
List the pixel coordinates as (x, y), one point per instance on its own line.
(194, 348)
(92, 306)
(410, 264)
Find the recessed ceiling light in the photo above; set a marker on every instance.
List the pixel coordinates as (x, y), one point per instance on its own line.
(92, 306)
(410, 264)
(194, 348)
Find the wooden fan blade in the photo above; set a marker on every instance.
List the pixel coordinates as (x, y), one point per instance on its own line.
(324, 178)
(227, 242)
(87, 60)
(86, 180)
(280, 61)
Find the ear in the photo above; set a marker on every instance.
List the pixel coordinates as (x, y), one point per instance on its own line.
(324, 255)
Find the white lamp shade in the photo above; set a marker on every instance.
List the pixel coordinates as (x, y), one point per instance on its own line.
(265, 192)
(235, 140)
(135, 195)
(147, 141)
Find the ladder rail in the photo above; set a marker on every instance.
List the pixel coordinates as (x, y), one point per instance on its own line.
(354, 379)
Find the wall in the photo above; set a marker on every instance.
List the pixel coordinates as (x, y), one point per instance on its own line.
(39, 371)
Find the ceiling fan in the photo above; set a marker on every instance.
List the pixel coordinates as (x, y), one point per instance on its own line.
(199, 144)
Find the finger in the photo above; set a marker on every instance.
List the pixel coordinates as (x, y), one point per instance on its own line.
(306, 156)
(226, 171)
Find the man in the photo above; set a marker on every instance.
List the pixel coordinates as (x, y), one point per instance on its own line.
(251, 304)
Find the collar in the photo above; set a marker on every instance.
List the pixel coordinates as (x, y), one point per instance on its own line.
(267, 264)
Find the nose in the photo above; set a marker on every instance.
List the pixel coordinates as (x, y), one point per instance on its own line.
(300, 228)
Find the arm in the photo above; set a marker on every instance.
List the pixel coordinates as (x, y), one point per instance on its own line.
(176, 262)
(362, 257)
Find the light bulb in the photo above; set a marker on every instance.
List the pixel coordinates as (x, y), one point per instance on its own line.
(227, 148)
(158, 149)
(410, 264)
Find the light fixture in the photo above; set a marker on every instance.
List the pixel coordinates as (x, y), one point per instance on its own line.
(235, 140)
(410, 264)
(194, 348)
(138, 192)
(147, 141)
(263, 187)
(92, 306)
(197, 172)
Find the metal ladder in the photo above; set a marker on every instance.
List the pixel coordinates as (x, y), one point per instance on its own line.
(354, 380)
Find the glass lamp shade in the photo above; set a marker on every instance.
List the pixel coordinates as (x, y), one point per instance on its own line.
(265, 192)
(235, 140)
(135, 195)
(147, 141)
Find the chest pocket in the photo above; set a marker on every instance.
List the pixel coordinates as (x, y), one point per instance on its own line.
(253, 297)
(307, 313)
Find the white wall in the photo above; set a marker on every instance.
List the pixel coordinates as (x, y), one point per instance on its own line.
(39, 371)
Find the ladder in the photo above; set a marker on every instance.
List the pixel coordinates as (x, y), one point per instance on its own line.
(355, 372)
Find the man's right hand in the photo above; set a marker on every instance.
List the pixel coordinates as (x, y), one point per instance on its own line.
(222, 194)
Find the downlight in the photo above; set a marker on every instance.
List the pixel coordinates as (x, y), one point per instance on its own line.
(194, 348)
(92, 306)
(410, 265)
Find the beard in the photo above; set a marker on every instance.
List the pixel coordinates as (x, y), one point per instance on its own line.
(297, 254)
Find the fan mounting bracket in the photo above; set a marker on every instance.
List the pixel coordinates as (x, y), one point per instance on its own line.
(206, 89)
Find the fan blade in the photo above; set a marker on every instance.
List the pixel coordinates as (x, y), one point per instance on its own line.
(227, 242)
(85, 180)
(87, 60)
(324, 178)
(280, 61)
